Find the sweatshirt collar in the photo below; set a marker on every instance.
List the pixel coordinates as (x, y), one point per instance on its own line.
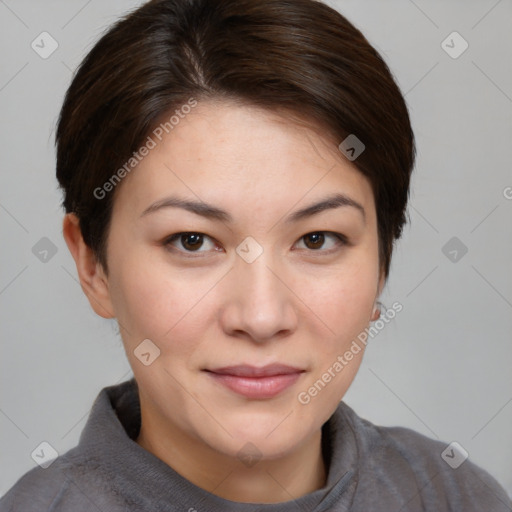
(108, 443)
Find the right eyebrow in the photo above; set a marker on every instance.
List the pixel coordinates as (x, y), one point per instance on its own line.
(198, 207)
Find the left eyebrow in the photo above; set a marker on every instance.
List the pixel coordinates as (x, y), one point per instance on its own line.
(333, 201)
(215, 213)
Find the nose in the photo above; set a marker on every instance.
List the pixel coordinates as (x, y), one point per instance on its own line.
(260, 306)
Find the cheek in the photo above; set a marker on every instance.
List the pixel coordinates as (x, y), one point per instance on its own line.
(152, 302)
(344, 299)
(155, 301)
(140, 306)
(344, 303)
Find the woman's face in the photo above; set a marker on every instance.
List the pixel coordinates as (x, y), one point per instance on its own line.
(261, 277)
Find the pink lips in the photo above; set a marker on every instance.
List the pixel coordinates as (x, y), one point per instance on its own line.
(256, 383)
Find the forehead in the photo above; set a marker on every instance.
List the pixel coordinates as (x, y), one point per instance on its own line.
(239, 154)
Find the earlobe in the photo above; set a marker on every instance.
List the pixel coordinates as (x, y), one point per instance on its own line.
(90, 272)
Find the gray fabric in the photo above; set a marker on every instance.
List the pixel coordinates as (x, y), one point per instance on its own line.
(371, 468)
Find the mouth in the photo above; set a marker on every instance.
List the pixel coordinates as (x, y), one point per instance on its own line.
(256, 383)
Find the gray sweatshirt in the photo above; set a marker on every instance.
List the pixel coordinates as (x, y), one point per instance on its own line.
(370, 468)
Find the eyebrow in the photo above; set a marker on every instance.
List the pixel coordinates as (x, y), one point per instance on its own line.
(213, 212)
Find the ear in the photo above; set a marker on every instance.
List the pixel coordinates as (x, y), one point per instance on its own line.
(90, 272)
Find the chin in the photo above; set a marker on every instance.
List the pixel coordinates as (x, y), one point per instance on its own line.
(268, 437)
(249, 448)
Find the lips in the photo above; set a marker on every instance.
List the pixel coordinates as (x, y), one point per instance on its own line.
(256, 382)
(253, 371)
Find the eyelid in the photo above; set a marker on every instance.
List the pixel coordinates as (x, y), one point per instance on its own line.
(167, 243)
(340, 237)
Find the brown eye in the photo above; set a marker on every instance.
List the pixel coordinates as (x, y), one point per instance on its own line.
(190, 242)
(322, 241)
(314, 240)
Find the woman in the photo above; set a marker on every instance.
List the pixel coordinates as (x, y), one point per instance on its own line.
(235, 174)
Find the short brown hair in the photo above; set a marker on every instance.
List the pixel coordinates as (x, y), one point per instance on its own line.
(297, 55)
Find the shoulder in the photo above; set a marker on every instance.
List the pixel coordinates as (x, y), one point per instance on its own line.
(71, 483)
(37, 490)
(438, 475)
(86, 477)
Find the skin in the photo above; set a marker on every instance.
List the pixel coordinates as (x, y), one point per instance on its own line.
(299, 303)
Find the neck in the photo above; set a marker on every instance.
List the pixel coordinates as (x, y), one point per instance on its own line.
(267, 481)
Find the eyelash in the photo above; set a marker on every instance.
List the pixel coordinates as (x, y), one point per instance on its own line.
(341, 239)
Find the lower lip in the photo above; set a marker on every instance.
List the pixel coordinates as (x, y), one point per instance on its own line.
(257, 387)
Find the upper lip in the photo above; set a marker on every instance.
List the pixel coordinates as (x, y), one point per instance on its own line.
(245, 370)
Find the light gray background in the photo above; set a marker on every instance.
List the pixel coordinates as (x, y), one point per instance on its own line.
(443, 367)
